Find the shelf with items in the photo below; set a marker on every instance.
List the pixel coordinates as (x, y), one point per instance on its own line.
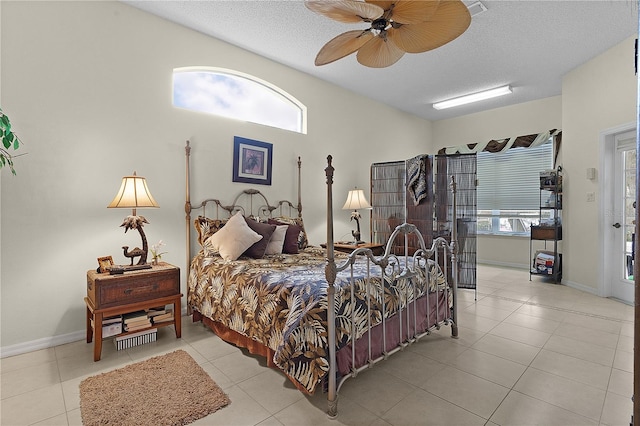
(547, 260)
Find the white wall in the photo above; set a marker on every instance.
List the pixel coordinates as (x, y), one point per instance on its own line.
(522, 119)
(87, 86)
(516, 120)
(599, 95)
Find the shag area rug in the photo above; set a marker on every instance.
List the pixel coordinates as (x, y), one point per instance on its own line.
(170, 389)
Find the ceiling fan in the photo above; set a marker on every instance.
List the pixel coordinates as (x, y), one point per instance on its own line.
(397, 26)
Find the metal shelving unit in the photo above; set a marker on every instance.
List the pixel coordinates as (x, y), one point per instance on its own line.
(548, 260)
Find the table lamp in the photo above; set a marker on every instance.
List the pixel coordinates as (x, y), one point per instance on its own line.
(356, 200)
(134, 194)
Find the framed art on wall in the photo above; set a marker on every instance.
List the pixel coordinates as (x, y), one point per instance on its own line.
(252, 161)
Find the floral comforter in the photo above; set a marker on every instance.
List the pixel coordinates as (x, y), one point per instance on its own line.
(280, 301)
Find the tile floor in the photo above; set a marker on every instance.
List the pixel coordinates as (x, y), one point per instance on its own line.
(528, 353)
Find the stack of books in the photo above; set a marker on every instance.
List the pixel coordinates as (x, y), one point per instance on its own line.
(166, 316)
(153, 312)
(135, 321)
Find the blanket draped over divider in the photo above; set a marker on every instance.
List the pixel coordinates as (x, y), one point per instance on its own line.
(417, 178)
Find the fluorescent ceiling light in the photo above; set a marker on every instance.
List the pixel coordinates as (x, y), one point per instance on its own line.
(474, 97)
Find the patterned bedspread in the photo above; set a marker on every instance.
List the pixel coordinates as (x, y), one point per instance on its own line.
(280, 301)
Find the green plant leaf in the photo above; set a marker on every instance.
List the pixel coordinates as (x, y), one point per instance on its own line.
(6, 140)
(9, 140)
(5, 122)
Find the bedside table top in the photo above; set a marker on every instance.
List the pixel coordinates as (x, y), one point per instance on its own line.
(160, 267)
(353, 246)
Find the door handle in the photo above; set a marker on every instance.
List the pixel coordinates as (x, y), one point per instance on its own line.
(617, 225)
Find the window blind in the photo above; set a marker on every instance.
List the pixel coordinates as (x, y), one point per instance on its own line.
(510, 180)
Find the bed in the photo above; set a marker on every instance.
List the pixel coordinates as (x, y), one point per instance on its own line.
(274, 300)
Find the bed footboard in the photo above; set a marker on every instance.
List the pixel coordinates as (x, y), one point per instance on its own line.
(421, 298)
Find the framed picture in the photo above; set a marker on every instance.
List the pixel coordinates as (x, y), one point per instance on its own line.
(104, 263)
(252, 161)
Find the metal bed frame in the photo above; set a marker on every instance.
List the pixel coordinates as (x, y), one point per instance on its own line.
(442, 252)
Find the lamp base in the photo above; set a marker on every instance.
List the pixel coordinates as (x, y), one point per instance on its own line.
(356, 237)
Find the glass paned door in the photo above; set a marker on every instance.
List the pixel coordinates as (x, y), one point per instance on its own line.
(622, 223)
(629, 203)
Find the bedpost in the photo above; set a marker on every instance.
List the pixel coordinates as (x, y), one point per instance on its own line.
(330, 273)
(187, 210)
(453, 246)
(299, 188)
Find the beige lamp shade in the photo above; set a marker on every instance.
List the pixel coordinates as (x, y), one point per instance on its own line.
(133, 194)
(356, 200)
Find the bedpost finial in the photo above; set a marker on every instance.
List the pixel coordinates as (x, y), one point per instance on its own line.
(329, 169)
(187, 148)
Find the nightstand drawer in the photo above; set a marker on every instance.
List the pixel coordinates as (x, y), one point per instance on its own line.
(136, 290)
(106, 291)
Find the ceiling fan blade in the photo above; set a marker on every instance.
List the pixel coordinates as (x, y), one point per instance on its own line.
(379, 53)
(349, 11)
(384, 4)
(414, 11)
(450, 20)
(342, 45)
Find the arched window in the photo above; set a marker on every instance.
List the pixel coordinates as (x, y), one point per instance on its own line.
(237, 95)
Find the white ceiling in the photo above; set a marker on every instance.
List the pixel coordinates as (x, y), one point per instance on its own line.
(527, 44)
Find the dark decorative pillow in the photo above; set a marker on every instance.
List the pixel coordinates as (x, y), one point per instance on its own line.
(207, 227)
(258, 249)
(295, 239)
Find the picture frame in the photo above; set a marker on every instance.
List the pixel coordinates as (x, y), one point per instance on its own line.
(104, 264)
(252, 161)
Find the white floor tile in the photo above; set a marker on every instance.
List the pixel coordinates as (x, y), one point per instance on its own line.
(529, 352)
(506, 348)
(490, 367)
(565, 393)
(465, 390)
(617, 410)
(272, 390)
(580, 349)
(520, 334)
(32, 407)
(520, 409)
(424, 408)
(589, 373)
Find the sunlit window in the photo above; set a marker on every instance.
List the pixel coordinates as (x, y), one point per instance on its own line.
(236, 95)
(509, 189)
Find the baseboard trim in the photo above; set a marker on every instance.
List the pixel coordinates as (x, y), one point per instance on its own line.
(582, 287)
(503, 264)
(47, 342)
(44, 343)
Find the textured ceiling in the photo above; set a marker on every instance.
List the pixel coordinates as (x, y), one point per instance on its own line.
(527, 44)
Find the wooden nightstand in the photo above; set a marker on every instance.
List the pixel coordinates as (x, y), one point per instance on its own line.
(376, 249)
(110, 295)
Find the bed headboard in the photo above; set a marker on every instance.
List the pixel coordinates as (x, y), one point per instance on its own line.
(251, 202)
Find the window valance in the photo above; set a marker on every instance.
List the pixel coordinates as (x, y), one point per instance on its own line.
(501, 145)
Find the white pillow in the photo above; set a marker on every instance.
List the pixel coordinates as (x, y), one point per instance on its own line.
(277, 240)
(233, 238)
